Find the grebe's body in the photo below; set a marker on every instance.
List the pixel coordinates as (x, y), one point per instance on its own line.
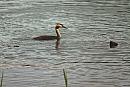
(47, 37)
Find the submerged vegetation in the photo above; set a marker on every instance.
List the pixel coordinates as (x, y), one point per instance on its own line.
(65, 78)
(1, 81)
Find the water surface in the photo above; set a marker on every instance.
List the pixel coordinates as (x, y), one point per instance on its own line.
(84, 48)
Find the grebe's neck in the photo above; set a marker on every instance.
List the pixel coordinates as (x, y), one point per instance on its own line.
(58, 33)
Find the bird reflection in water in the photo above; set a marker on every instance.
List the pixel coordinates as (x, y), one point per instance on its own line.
(57, 43)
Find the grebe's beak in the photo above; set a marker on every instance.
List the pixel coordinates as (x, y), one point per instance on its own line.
(64, 27)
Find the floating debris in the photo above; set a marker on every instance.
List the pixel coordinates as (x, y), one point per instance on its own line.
(113, 44)
(16, 46)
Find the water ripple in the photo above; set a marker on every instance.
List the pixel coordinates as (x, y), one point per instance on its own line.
(84, 48)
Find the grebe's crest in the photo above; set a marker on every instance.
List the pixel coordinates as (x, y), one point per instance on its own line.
(59, 25)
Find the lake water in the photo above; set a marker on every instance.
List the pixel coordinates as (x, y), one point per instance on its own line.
(84, 50)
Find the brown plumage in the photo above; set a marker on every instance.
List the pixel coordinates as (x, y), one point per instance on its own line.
(45, 37)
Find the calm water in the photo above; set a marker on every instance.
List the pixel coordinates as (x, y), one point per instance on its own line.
(84, 48)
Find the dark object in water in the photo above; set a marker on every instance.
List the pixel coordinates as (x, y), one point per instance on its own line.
(16, 46)
(113, 44)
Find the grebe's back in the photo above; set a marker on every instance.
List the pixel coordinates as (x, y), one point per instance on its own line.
(45, 37)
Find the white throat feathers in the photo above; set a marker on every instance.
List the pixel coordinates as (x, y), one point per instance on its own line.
(58, 33)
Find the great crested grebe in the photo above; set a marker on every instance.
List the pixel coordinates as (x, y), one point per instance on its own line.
(47, 37)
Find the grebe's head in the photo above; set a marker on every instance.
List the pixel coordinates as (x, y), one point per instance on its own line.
(59, 25)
